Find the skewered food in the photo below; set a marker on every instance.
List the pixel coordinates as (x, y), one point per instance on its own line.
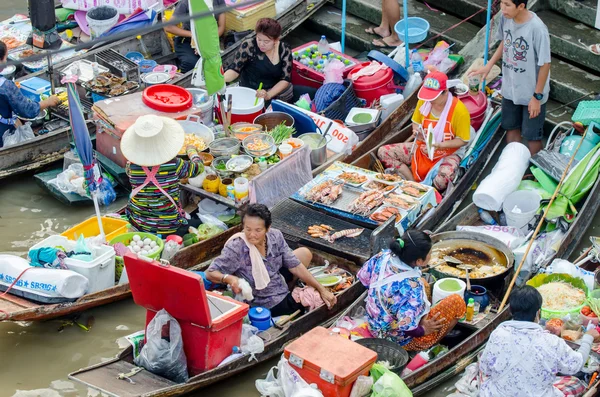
(325, 192)
(400, 201)
(324, 232)
(413, 189)
(366, 202)
(353, 177)
(389, 177)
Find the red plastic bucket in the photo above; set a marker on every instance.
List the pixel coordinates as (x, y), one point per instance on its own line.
(371, 88)
(476, 105)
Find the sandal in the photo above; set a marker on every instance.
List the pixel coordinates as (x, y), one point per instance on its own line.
(372, 31)
(380, 43)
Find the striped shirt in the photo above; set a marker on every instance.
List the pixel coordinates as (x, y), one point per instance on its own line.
(150, 210)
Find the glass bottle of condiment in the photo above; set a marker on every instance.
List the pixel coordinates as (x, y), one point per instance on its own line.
(470, 310)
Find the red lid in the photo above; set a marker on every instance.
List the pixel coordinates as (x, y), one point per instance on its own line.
(374, 81)
(176, 238)
(167, 98)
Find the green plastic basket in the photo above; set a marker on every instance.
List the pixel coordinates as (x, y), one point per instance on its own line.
(544, 278)
(126, 239)
(586, 112)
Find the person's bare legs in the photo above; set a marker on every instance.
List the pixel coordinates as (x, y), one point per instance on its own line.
(535, 146)
(304, 255)
(390, 16)
(513, 136)
(406, 172)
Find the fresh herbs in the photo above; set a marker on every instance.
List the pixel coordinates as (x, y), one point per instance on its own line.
(281, 133)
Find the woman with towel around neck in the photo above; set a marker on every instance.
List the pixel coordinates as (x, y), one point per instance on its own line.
(261, 256)
(450, 122)
(398, 304)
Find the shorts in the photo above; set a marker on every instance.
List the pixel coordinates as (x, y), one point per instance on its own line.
(516, 117)
(287, 306)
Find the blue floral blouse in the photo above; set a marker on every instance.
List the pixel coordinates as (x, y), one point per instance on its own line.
(13, 101)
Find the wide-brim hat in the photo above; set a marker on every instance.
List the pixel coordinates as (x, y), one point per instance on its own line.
(152, 140)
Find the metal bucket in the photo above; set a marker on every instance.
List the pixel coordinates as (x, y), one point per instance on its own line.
(318, 156)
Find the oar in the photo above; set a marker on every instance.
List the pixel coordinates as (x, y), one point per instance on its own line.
(539, 226)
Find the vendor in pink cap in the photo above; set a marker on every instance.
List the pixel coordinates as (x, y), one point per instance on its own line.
(447, 120)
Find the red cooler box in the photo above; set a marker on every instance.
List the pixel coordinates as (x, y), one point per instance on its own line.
(329, 360)
(303, 75)
(209, 332)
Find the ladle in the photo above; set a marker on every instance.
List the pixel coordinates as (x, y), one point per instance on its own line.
(325, 134)
(462, 266)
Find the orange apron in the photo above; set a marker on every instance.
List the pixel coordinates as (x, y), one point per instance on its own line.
(421, 164)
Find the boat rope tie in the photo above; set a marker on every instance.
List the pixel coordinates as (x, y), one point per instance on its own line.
(130, 374)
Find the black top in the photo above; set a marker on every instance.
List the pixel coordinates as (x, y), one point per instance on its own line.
(183, 9)
(255, 67)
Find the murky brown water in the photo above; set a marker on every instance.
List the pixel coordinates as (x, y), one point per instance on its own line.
(35, 358)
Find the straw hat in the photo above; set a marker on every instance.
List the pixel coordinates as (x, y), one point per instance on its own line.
(152, 140)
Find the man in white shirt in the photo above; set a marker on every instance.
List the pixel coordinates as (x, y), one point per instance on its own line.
(521, 359)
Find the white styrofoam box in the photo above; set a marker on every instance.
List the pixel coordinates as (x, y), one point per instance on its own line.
(100, 271)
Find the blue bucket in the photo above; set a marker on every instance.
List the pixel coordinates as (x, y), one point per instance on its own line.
(260, 317)
(97, 97)
(135, 56)
(147, 65)
(417, 30)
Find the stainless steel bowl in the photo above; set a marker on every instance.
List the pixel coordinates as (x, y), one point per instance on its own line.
(224, 147)
(36, 121)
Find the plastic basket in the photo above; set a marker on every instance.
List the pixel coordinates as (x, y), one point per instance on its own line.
(89, 228)
(586, 112)
(339, 109)
(126, 239)
(388, 351)
(135, 56)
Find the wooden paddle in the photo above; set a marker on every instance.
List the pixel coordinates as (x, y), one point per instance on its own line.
(539, 226)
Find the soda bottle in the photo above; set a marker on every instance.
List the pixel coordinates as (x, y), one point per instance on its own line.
(323, 46)
(486, 217)
(295, 55)
(311, 64)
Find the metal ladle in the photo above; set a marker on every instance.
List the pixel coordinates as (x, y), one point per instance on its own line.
(462, 266)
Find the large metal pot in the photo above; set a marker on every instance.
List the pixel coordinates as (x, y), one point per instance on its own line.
(273, 119)
(37, 121)
(490, 282)
(318, 156)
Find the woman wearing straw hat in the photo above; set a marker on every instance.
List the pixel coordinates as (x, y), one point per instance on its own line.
(151, 146)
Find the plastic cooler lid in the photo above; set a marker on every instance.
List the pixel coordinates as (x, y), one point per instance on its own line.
(167, 98)
(373, 81)
(320, 349)
(259, 313)
(36, 84)
(395, 66)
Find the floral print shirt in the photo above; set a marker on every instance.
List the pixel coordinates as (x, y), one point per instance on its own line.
(393, 308)
(235, 259)
(13, 101)
(522, 360)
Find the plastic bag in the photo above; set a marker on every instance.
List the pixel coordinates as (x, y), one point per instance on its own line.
(21, 134)
(163, 352)
(71, 180)
(106, 193)
(254, 345)
(208, 219)
(334, 72)
(81, 250)
(287, 383)
(543, 249)
(390, 385)
(362, 386)
(246, 294)
(468, 384)
(564, 266)
(511, 236)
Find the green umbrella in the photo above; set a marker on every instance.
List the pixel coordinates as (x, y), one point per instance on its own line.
(576, 185)
(206, 36)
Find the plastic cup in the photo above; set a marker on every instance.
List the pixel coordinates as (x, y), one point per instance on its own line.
(285, 149)
(241, 188)
(474, 83)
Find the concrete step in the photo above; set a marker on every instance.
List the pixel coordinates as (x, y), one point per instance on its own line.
(462, 9)
(564, 39)
(370, 11)
(568, 83)
(556, 113)
(583, 11)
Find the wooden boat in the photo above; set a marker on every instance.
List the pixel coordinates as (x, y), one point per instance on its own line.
(102, 376)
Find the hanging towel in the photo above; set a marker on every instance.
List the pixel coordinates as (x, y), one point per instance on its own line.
(259, 270)
(438, 130)
(370, 70)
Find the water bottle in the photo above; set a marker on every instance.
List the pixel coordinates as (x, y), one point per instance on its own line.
(412, 85)
(416, 62)
(311, 64)
(486, 217)
(304, 60)
(296, 56)
(324, 61)
(143, 49)
(323, 45)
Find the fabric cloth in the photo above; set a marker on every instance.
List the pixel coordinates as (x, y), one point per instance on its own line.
(287, 306)
(450, 309)
(260, 275)
(235, 259)
(255, 67)
(183, 10)
(307, 297)
(394, 306)
(394, 155)
(438, 130)
(526, 49)
(186, 55)
(516, 117)
(13, 101)
(150, 210)
(570, 386)
(522, 359)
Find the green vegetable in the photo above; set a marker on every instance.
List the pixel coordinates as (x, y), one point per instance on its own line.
(236, 220)
(221, 166)
(594, 304)
(273, 159)
(281, 133)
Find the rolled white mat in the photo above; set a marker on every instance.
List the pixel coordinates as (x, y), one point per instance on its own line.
(55, 283)
(504, 178)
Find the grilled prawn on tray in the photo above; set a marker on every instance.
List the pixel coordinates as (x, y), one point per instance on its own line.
(325, 192)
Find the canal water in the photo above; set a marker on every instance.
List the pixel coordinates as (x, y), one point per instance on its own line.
(36, 357)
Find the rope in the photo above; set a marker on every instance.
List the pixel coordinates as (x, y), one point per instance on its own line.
(9, 288)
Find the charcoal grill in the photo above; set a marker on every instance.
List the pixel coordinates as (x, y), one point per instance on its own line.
(119, 65)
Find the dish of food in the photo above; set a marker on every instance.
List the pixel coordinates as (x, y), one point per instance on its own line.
(386, 213)
(239, 163)
(108, 84)
(413, 189)
(194, 140)
(560, 296)
(366, 202)
(486, 260)
(12, 43)
(378, 186)
(388, 178)
(325, 192)
(400, 201)
(353, 178)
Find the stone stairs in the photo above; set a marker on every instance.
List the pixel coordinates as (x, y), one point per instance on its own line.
(575, 72)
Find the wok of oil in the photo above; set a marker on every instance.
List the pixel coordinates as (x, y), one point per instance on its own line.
(470, 252)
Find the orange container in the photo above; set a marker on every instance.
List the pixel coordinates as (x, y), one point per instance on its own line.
(320, 356)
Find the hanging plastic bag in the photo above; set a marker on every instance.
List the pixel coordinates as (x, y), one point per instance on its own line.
(19, 135)
(246, 294)
(106, 192)
(208, 219)
(362, 386)
(163, 352)
(334, 72)
(387, 383)
(468, 384)
(254, 345)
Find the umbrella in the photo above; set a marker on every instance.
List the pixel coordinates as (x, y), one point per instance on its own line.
(206, 34)
(576, 185)
(83, 143)
(137, 20)
(406, 46)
